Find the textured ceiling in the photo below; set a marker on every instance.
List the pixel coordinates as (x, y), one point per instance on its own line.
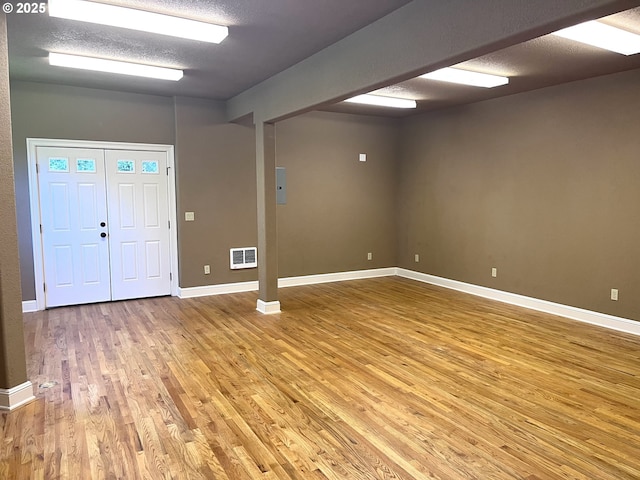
(265, 37)
(268, 36)
(538, 63)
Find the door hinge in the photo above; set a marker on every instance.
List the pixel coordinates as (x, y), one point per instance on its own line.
(44, 287)
(167, 171)
(40, 229)
(169, 222)
(37, 168)
(170, 276)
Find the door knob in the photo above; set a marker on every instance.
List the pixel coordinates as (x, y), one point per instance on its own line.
(102, 224)
(103, 234)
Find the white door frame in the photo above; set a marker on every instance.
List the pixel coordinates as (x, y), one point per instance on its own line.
(34, 201)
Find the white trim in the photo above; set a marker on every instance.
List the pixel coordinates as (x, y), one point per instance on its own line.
(173, 218)
(29, 306)
(335, 277)
(34, 201)
(221, 289)
(15, 397)
(268, 308)
(225, 288)
(579, 314)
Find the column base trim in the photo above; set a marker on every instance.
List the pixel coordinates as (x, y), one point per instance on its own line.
(268, 308)
(15, 397)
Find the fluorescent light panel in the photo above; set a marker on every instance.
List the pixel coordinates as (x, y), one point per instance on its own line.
(604, 36)
(137, 20)
(466, 77)
(380, 101)
(112, 66)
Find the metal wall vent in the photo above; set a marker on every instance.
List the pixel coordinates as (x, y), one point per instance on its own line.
(243, 258)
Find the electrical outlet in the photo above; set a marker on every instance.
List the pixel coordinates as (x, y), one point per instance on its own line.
(494, 272)
(363, 157)
(369, 256)
(614, 294)
(207, 269)
(417, 258)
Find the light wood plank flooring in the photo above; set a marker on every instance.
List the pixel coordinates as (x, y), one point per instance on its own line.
(374, 379)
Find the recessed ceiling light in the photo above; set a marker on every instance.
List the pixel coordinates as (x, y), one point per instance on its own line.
(112, 66)
(466, 77)
(137, 20)
(380, 101)
(604, 36)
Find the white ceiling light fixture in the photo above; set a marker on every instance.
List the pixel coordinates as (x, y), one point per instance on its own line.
(113, 66)
(603, 36)
(466, 77)
(115, 16)
(380, 101)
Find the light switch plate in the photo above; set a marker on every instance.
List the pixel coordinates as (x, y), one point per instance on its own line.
(189, 216)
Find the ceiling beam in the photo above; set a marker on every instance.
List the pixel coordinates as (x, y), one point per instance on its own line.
(417, 38)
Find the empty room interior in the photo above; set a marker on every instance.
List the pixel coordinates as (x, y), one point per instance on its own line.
(383, 239)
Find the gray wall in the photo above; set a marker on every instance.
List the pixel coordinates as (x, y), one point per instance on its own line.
(54, 111)
(541, 185)
(351, 203)
(216, 174)
(544, 186)
(338, 208)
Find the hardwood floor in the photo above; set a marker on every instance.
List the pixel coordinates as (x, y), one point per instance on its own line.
(375, 379)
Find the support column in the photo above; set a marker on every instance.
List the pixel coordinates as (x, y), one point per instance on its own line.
(15, 389)
(267, 226)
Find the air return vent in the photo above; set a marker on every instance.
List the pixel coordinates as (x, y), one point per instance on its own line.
(243, 258)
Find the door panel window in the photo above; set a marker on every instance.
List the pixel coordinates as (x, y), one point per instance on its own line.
(59, 165)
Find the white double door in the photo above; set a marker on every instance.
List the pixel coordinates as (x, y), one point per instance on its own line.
(104, 223)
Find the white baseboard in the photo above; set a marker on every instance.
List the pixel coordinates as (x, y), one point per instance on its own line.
(252, 286)
(29, 306)
(336, 277)
(268, 307)
(582, 315)
(221, 289)
(15, 397)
